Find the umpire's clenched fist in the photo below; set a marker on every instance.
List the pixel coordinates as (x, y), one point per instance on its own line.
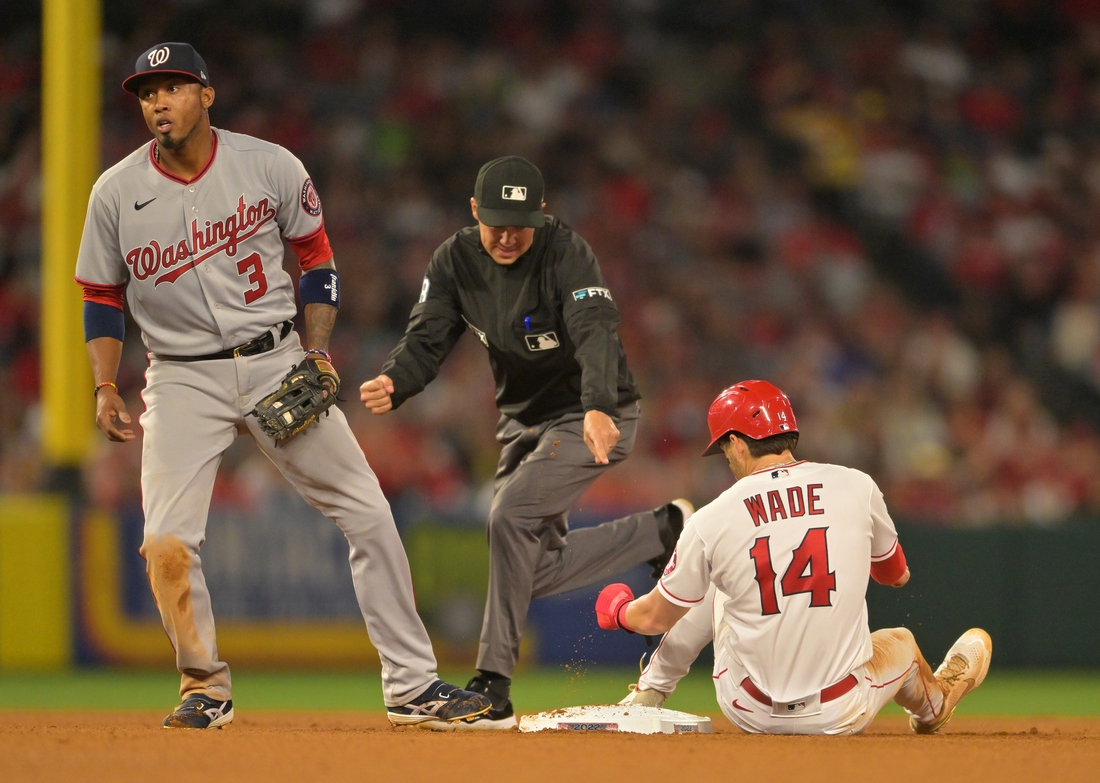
(375, 394)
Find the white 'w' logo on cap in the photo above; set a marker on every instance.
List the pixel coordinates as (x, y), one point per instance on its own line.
(159, 56)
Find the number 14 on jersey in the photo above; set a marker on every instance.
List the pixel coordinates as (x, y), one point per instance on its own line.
(808, 571)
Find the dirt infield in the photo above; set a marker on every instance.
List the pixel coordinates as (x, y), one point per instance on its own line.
(335, 747)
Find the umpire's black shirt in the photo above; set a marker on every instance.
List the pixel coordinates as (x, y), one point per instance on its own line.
(547, 320)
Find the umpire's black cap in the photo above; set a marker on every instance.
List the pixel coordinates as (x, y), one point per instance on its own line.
(509, 192)
(171, 57)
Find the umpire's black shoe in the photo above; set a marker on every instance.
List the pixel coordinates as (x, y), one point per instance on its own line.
(200, 712)
(670, 523)
(500, 717)
(441, 703)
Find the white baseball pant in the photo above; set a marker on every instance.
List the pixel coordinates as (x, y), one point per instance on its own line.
(897, 671)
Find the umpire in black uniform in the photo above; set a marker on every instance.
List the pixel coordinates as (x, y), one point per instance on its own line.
(531, 290)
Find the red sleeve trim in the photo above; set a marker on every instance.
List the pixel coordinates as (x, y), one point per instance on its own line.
(113, 295)
(112, 298)
(887, 554)
(312, 249)
(890, 570)
(674, 597)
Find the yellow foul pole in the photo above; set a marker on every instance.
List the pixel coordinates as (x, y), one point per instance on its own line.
(70, 164)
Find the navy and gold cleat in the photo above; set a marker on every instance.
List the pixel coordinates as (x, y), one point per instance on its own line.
(200, 712)
(441, 703)
(501, 717)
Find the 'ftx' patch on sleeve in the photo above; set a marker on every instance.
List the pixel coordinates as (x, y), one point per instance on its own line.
(588, 293)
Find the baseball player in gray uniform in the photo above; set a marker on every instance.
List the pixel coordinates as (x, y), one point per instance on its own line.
(189, 230)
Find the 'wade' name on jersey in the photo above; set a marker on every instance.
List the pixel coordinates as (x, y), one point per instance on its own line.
(798, 501)
(215, 237)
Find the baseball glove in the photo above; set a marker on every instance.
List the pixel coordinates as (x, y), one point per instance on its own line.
(299, 401)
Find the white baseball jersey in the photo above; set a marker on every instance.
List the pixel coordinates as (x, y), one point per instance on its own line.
(201, 261)
(792, 548)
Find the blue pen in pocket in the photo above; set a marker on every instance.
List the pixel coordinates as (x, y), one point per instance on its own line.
(527, 323)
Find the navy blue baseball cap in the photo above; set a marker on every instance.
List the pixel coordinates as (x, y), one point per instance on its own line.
(171, 57)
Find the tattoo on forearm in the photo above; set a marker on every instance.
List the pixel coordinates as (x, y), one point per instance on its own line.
(320, 319)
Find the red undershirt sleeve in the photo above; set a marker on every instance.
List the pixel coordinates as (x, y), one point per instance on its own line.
(890, 569)
(312, 249)
(113, 295)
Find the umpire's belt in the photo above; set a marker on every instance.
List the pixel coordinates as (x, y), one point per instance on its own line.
(827, 694)
(262, 344)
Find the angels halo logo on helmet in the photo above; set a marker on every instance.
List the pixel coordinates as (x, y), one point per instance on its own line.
(756, 409)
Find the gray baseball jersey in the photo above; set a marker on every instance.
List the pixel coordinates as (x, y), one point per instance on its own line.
(202, 264)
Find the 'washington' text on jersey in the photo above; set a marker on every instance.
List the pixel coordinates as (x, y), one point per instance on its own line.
(215, 237)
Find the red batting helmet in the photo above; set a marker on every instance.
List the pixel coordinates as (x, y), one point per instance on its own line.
(756, 409)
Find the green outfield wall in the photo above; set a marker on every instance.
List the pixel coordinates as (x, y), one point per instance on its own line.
(1036, 591)
(67, 593)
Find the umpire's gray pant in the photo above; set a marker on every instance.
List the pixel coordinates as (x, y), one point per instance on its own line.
(543, 470)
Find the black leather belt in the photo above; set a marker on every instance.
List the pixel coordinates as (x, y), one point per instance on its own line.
(262, 344)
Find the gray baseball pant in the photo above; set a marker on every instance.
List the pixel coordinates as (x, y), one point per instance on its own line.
(193, 412)
(542, 471)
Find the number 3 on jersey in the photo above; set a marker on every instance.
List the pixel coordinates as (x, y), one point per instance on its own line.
(808, 571)
(257, 277)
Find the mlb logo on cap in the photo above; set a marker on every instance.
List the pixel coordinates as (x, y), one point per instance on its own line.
(509, 192)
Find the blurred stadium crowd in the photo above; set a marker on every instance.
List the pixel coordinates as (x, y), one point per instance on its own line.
(887, 208)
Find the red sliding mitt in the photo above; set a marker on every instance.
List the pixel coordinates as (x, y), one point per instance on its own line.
(610, 606)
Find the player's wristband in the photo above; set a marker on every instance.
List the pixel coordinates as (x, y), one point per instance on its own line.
(622, 620)
(320, 286)
(95, 391)
(322, 352)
